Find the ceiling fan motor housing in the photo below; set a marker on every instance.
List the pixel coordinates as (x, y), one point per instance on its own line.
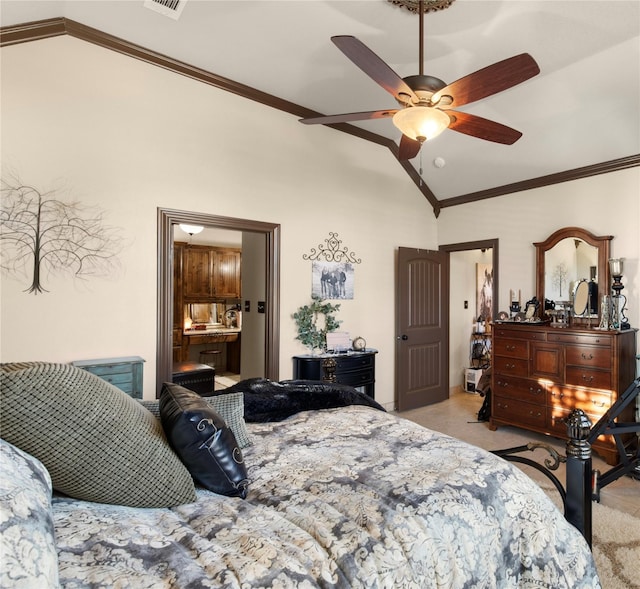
(425, 87)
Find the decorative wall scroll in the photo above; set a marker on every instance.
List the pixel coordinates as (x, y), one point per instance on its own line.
(332, 270)
(332, 252)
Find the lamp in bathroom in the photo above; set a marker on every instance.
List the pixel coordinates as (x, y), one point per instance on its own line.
(191, 229)
(619, 301)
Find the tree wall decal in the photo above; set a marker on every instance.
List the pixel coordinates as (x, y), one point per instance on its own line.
(42, 233)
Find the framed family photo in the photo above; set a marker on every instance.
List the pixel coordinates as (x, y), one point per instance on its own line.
(332, 280)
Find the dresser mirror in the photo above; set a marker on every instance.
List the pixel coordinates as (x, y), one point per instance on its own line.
(572, 270)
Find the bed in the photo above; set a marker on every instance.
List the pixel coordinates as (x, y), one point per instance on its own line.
(340, 496)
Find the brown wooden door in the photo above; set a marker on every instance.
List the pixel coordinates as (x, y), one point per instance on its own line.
(422, 328)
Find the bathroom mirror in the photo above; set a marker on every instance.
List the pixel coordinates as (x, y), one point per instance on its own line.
(566, 258)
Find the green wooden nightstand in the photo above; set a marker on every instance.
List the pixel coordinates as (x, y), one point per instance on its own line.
(124, 373)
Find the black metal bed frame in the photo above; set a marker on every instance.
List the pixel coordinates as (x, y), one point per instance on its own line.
(583, 484)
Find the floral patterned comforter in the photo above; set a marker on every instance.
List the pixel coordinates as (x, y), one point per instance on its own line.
(348, 497)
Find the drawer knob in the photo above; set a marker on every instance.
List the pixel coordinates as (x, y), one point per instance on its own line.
(587, 377)
(510, 348)
(535, 391)
(559, 395)
(587, 356)
(599, 403)
(510, 366)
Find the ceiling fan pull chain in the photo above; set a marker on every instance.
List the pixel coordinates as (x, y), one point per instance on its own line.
(420, 170)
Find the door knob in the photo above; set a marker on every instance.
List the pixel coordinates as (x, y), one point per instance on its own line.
(404, 337)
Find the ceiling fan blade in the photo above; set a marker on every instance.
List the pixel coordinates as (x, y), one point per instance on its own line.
(352, 116)
(490, 80)
(482, 128)
(374, 67)
(409, 148)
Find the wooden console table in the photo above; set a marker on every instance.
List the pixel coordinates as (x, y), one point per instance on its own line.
(356, 369)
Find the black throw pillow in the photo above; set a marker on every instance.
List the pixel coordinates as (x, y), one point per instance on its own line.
(203, 441)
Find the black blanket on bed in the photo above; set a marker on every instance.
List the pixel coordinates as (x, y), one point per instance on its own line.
(266, 400)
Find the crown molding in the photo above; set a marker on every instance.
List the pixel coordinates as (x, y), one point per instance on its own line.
(55, 27)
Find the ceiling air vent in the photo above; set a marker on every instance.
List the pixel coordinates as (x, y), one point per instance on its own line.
(171, 8)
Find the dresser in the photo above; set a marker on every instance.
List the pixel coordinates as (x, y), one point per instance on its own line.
(124, 373)
(356, 369)
(541, 373)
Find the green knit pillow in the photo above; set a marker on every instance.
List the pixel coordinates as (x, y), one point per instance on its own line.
(97, 443)
(229, 406)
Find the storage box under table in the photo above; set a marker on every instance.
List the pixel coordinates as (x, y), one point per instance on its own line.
(199, 378)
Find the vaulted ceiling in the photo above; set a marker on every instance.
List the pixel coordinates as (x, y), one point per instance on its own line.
(580, 116)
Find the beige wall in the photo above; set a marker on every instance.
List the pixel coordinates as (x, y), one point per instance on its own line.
(608, 204)
(110, 131)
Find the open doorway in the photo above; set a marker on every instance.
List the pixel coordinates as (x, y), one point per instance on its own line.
(167, 220)
(208, 296)
(469, 263)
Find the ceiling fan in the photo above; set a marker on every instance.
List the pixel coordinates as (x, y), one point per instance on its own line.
(426, 102)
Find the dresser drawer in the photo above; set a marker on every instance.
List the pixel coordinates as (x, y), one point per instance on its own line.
(596, 402)
(586, 377)
(529, 414)
(592, 339)
(557, 421)
(510, 366)
(124, 373)
(519, 388)
(512, 348)
(588, 356)
(524, 332)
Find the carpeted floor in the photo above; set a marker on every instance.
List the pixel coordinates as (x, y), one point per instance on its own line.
(615, 543)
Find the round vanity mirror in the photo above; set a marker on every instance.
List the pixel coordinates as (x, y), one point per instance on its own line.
(581, 298)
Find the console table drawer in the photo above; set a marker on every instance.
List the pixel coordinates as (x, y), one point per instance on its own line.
(357, 378)
(356, 370)
(348, 364)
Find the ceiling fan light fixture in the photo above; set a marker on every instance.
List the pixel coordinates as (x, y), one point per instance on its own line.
(421, 123)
